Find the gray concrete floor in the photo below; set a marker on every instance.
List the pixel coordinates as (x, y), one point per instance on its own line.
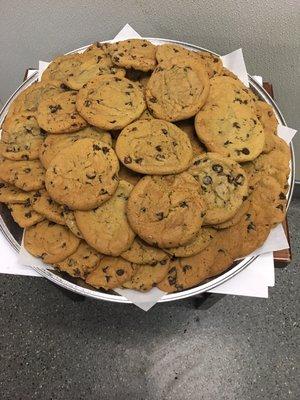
(53, 347)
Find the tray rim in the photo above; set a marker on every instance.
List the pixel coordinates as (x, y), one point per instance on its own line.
(202, 288)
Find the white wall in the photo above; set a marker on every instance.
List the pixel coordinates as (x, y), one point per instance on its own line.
(268, 31)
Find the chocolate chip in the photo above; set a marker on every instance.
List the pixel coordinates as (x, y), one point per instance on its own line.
(130, 86)
(55, 108)
(28, 214)
(158, 148)
(217, 168)
(103, 191)
(160, 215)
(134, 129)
(197, 162)
(87, 103)
(250, 227)
(239, 179)
(227, 142)
(105, 150)
(2, 185)
(186, 268)
(207, 180)
(245, 151)
(127, 160)
(27, 170)
(143, 209)
(282, 196)
(138, 160)
(144, 45)
(96, 147)
(163, 262)
(50, 201)
(280, 207)
(120, 272)
(91, 175)
(236, 125)
(172, 280)
(112, 122)
(153, 99)
(183, 204)
(129, 103)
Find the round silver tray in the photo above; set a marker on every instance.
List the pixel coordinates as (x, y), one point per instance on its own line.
(13, 233)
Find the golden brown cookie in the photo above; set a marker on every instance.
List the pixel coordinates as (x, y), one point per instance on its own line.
(110, 102)
(58, 114)
(28, 100)
(12, 194)
(211, 62)
(224, 186)
(135, 53)
(24, 214)
(188, 271)
(232, 130)
(111, 272)
(81, 263)
(267, 118)
(166, 211)
(93, 63)
(106, 228)
(44, 205)
(50, 241)
(21, 138)
(141, 253)
(147, 276)
(203, 238)
(25, 175)
(61, 67)
(154, 147)
(83, 175)
(236, 218)
(177, 89)
(53, 144)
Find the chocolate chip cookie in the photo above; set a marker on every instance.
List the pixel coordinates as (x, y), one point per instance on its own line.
(106, 228)
(54, 144)
(134, 53)
(58, 114)
(154, 147)
(25, 175)
(110, 102)
(141, 253)
(223, 183)
(166, 211)
(50, 241)
(82, 262)
(111, 272)
(83, 175)
(177, 89)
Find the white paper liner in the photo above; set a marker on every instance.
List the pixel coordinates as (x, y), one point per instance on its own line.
(252, 281)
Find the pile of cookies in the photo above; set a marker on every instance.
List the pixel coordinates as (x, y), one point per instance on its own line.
(133, 165)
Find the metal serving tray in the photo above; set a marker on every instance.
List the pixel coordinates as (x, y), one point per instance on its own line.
(13, 233)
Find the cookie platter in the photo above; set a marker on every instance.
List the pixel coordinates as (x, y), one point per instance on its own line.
(13, 232)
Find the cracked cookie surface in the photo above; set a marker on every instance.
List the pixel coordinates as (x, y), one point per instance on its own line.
(106, 228)
(177, 89)
(54, 144)
(83, 175)
(154, 147)
(110, 102)
(166, 211)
